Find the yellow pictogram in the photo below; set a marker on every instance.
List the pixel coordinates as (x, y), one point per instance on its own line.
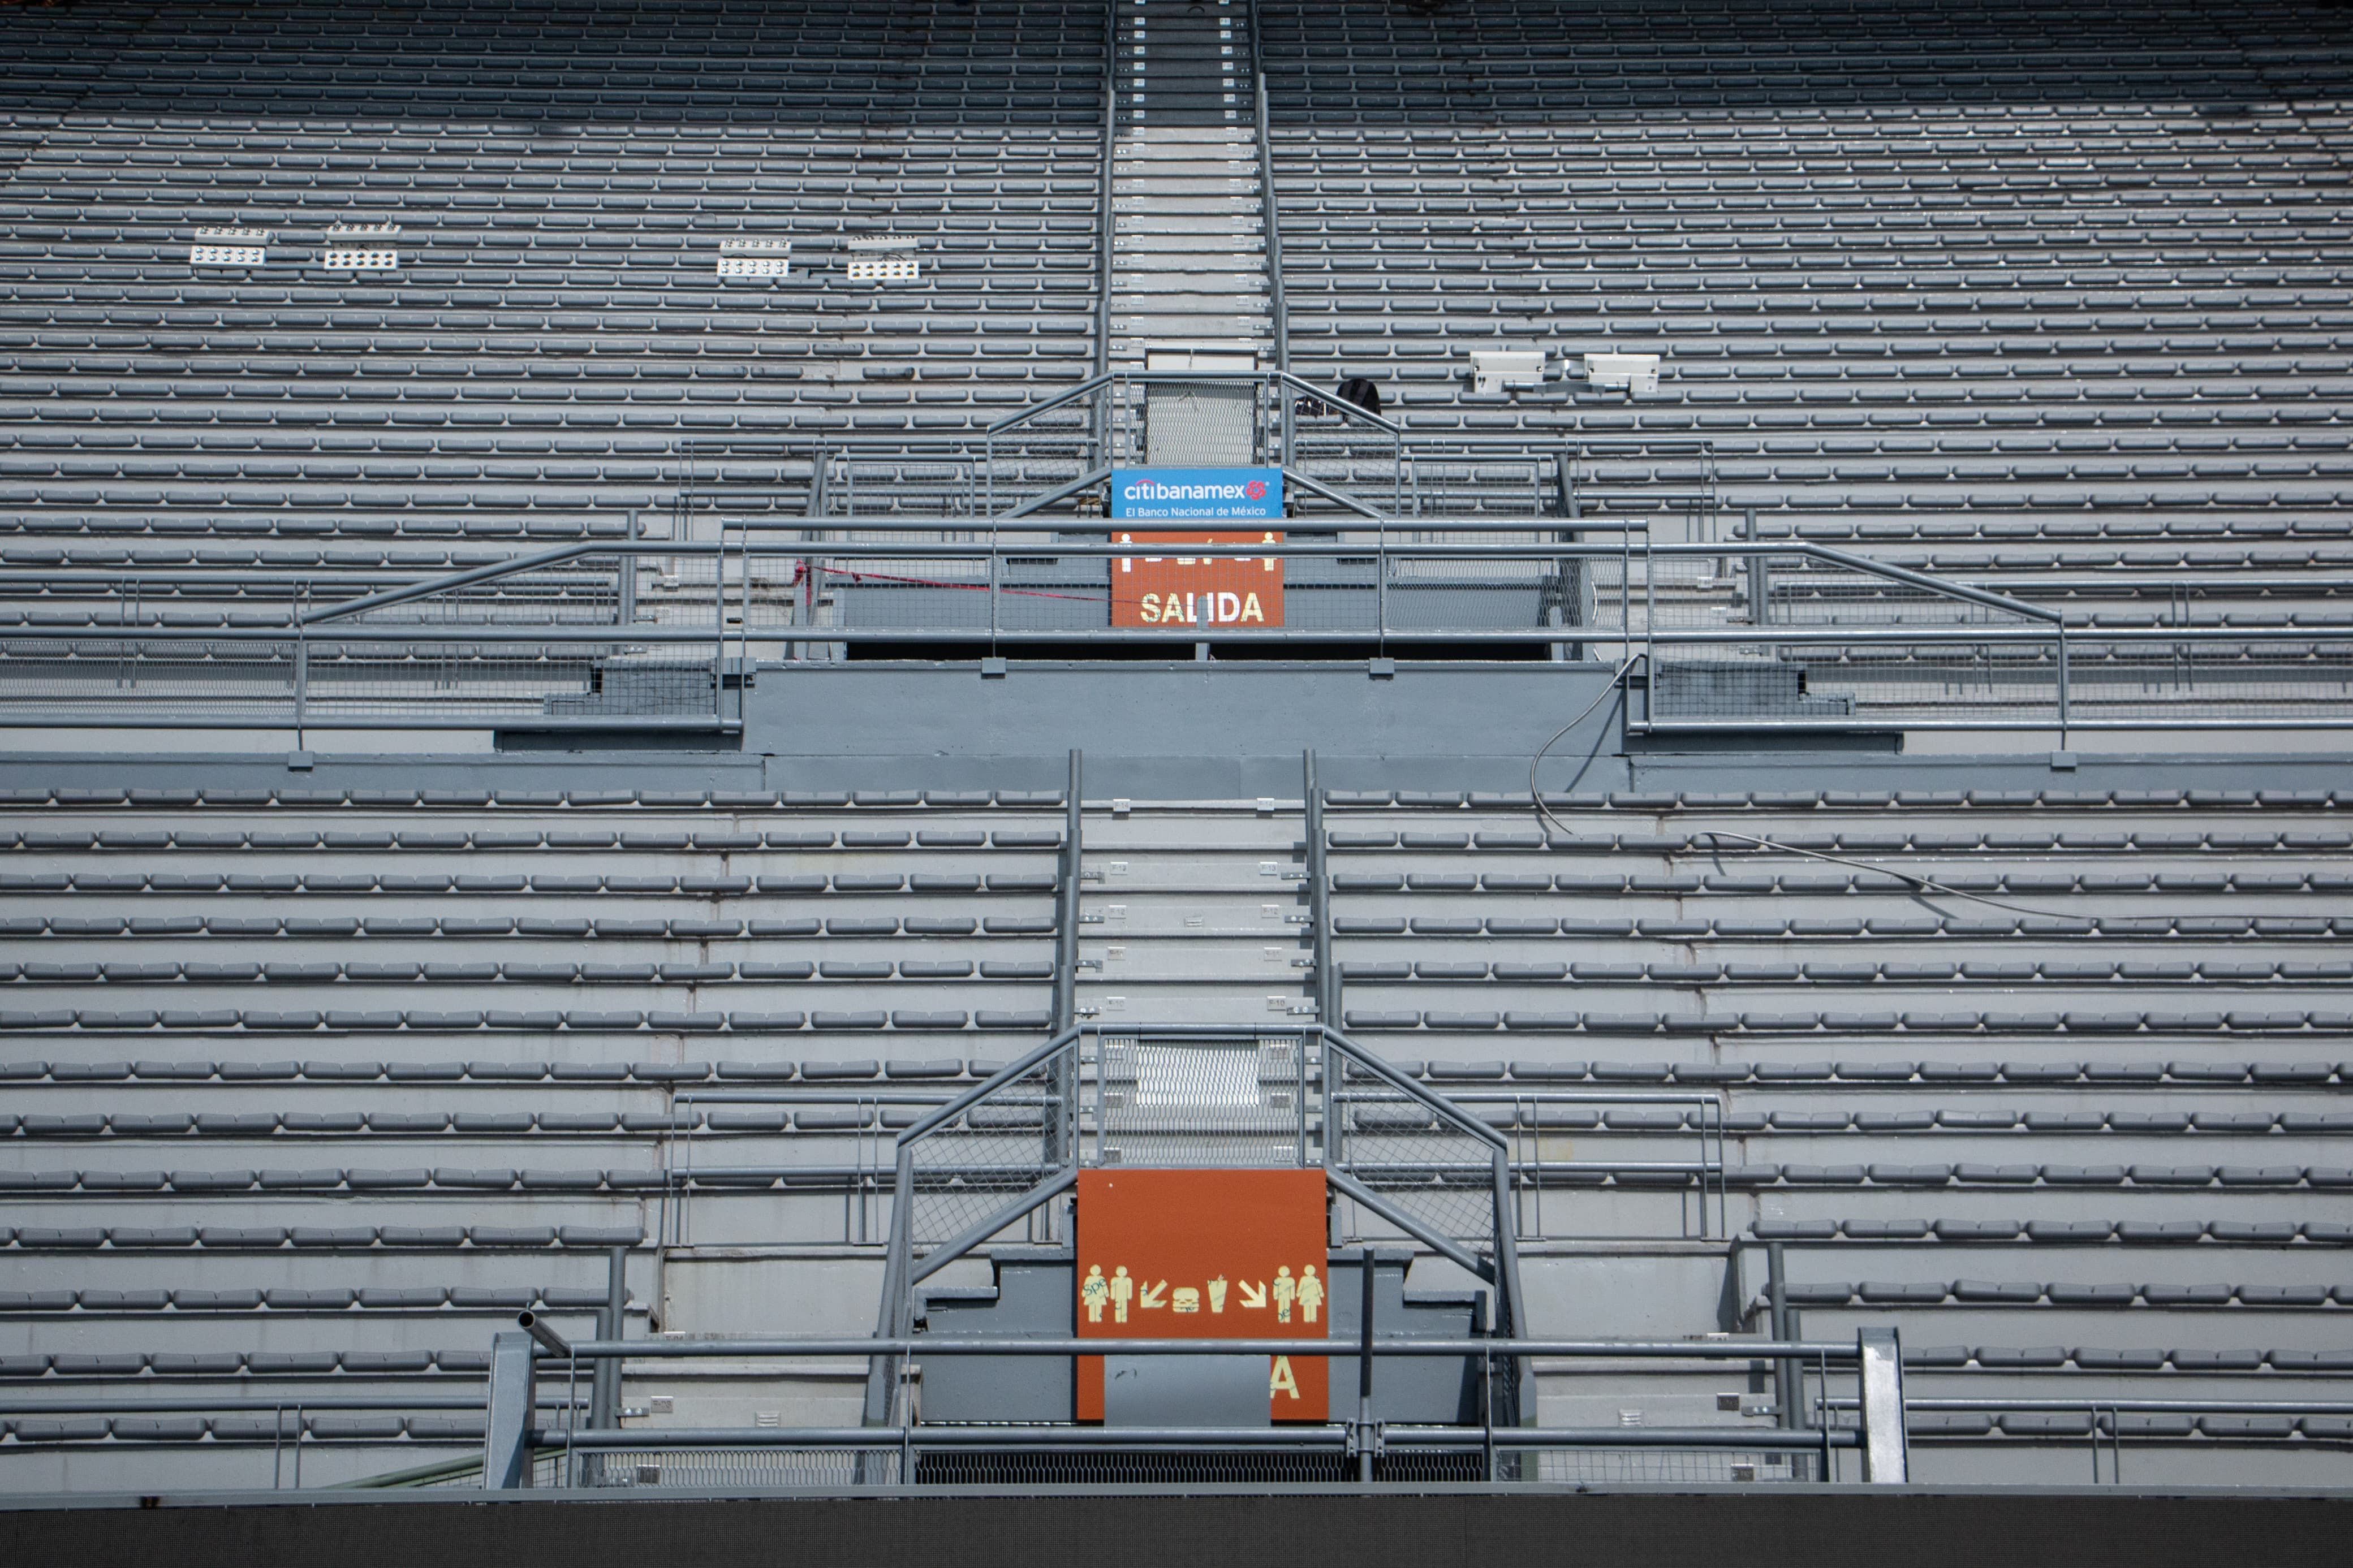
(1095, 1294)
(1121, 1289)
(1311, 1293)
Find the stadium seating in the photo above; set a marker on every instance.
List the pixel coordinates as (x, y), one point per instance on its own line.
(307, 1087)
(1990, 289)
(556, 322)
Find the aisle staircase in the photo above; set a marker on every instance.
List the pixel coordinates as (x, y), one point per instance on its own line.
(1194, 914)
(1189, 246)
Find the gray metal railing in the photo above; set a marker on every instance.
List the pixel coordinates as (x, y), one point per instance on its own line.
(1000, 1153)
(654, 634)
(891, 1453)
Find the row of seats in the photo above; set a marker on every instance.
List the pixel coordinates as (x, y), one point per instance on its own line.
(1751, 1176)
(1778, 1022)
(2059, 1232)
(266, 1126)
(308, 797)
(2093, 1358)
(1878, 802)
(2319, 879)
(1537, 1073)
(664, 1074)
(333, 1238)
(602, 1021)
(370, 1365)
(482, 1298)
(506, 837)
(1528, 1112)
(314, 1181)
(560, 973)
(613, 884)
(244, 1431)
(2044, 1426)
(2010, 974)
(2029, 1293)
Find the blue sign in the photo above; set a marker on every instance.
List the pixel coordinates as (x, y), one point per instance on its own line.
(1195, 495)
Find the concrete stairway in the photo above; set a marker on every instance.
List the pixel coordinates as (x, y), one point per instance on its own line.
(1194, 915)
(1189, 257)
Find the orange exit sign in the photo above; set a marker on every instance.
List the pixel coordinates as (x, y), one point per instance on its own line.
(1197, 592)
(1205, 1255)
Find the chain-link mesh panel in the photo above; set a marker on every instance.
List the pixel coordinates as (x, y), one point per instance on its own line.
(586, 591)
(1205, 424)
(970, 1167)
(324, 682)
(828, 1469)
(1838, 681)
(1234, 1103)
(119, 678)
(2210, 679)
(1704, 1465)
(1164, 1467)
(1418, 1159)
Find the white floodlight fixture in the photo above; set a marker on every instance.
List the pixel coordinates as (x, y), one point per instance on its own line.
(230, 247)
(883, 259)
(755, 257)
(362, 230)
(1507, 370)
(884, 270)
(362, 260)
(1638, 373)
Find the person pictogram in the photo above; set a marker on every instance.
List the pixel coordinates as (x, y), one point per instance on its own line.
(1123, 1291)
(1286, 1290)
(1095, 1294)
(1311, 1293)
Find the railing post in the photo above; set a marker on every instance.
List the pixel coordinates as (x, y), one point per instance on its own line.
(1066, 935)
(1886, 1457)
(1326, 986)
(1107, 222)
(1786, 1413)
(995, 572)
(625, 611)
(1365, 1441)
(302, 681)
(2063, 694)
(506, 1432)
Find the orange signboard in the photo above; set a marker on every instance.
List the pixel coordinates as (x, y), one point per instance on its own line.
(1205, 1255)
(1198, 593)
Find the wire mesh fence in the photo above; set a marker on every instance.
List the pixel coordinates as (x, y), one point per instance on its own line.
(2214, 678)
(1560, 1467)
(1164, 1103)
(1012, 1463)
(968, 1168)
(291, 681)
(1416, 1159)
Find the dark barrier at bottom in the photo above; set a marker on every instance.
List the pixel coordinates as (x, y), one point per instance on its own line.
(1801, 1528)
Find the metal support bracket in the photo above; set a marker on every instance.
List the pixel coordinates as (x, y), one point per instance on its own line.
(506, 1432)
(1887, 1457)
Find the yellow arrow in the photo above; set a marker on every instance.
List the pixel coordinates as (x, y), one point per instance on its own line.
(1253, 1295)
(1154, 1295)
